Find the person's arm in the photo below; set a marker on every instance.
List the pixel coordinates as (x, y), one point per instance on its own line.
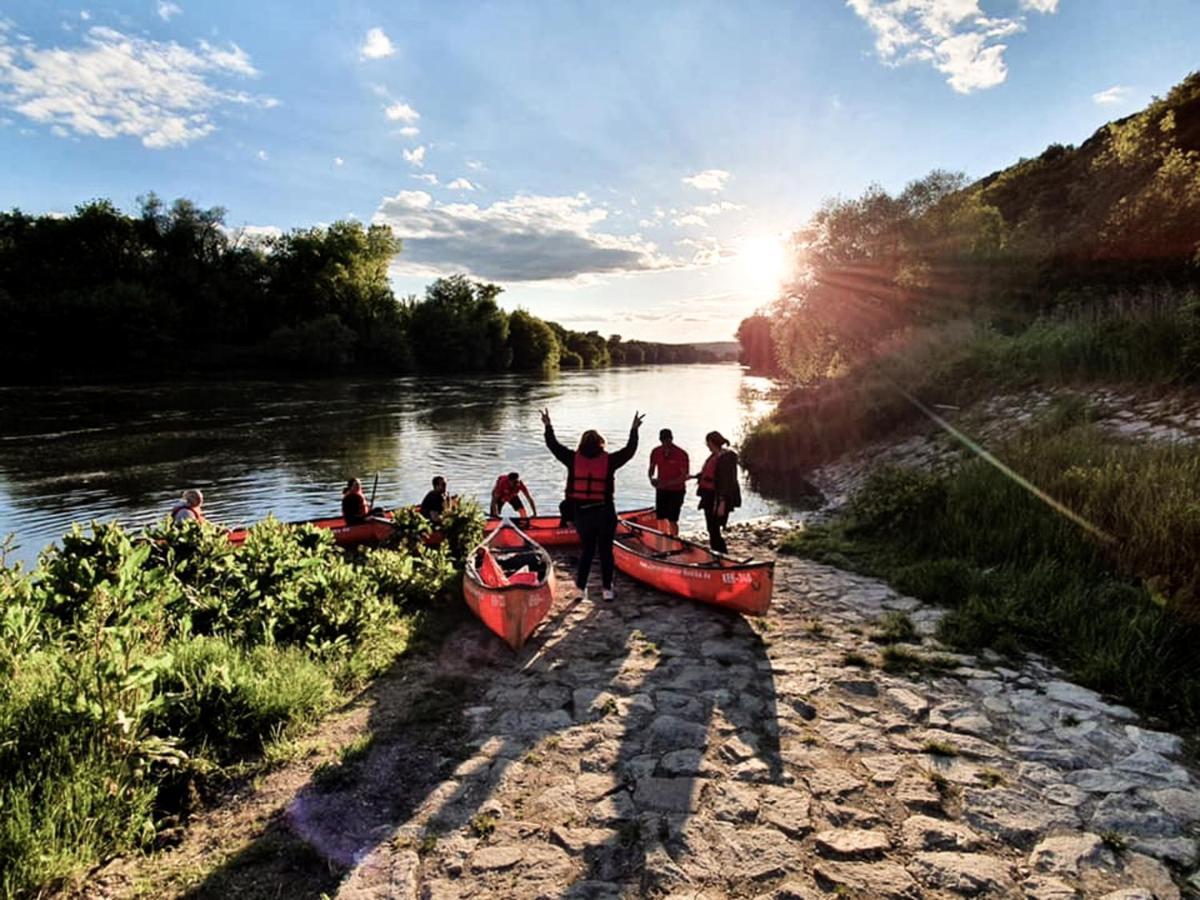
(625, 454)
(561, 453)
(650, 471)
(529, 497)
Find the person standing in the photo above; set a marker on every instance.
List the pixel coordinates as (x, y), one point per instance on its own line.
(668, 473)
(508, 489)
(719, 491)
(590, 489)
(190, 510)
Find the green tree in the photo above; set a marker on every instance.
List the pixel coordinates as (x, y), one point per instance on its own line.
(532, 342)
(459, 327)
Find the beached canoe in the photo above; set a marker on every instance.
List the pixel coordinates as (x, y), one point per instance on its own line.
(375, 530)
(509, 586)
(548, 531)
(688, 569)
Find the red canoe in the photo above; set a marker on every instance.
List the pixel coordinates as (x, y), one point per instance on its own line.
(374, 531)
(688, 569)
(547, 531)
(509, 586)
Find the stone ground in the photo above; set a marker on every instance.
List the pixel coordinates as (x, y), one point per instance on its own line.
(656, 748)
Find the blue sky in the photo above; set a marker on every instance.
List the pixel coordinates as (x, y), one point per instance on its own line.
(624, 166)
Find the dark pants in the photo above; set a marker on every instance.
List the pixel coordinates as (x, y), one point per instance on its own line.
(715, 523)
(596, 526)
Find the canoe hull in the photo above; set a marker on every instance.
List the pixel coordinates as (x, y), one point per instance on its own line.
(513, 613)
(373, 532)
(742, 587)
(547, 531)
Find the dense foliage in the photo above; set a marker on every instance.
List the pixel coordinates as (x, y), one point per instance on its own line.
(133, 667)
(172, 290)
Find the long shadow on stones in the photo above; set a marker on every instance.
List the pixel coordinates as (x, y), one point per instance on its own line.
(597, 743)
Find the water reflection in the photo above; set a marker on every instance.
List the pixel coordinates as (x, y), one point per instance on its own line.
(76, 453)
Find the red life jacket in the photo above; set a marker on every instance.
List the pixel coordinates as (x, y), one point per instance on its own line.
(506, 490)
(708, 474)
(196, 514)
(589, 478)
(672, 465)
(354, 505)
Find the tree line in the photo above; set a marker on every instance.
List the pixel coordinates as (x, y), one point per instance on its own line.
(1046, 237)
(171, 290)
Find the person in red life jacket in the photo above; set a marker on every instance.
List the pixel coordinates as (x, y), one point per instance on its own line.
(719, 491)
(509, 489)
(590, 489)
(670, 483)
(355, 508)
(190, 510)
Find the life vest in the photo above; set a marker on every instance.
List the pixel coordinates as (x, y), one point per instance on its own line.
(589, 478)
(354, 505)
(672, 465)
(506, 491)
(196, 514)
(708, 474)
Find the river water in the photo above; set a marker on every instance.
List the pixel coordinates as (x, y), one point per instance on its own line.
(125, 452)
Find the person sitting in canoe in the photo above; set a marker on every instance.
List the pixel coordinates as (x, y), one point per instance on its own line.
(434, 504)
(190, 510)
(355, 508)
(508, 489)
(590, 489)
(669, 467)
(719, 491)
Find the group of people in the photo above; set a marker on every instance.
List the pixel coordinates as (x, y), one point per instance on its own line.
(589, 502)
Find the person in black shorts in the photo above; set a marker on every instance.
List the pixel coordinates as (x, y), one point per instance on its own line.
(669, 474)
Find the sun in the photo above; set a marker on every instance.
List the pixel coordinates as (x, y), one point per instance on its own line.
(765, 263)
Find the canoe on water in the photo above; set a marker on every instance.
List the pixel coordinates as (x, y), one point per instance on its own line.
(549, 532)
(510, 586)
(375, 530)
(688, 569)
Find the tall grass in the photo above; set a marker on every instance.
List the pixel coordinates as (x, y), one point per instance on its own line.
(132, 668)
(1118, 605)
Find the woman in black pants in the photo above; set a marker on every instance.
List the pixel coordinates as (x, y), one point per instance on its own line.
(719, 491)
(590, 490)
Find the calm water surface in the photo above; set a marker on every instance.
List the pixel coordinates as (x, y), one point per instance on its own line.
(126, 452)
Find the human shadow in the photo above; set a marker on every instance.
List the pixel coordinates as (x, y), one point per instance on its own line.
(580, 760)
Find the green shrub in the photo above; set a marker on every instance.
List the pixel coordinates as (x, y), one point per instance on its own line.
(896, 500)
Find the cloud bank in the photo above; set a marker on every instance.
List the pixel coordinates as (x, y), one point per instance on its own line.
(115, 85)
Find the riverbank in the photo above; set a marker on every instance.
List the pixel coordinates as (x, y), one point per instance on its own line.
(655, 747)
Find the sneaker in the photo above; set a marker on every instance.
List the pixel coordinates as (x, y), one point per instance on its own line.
(607, 594)
(582, 598)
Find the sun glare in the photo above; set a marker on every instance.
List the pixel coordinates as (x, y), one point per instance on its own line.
(764, 262)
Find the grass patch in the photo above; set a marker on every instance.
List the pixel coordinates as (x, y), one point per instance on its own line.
(992, 777)
(940, 748)
(895, 628)
(855, 659)
(483, 824)
(897, 659)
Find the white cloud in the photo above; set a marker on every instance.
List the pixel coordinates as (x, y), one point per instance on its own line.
(401, 112)
(690, 219)
(717, 207)
(338, 161)
(707, 251)
(474, 165)
(1118, 93)
(409, 131)
(166, 9)
(115, 85)
(262, 155)
(85, 15)
(954, 36)
(376, 45)
(427, 177)
(462, 184)
(709, 180)
(415, 157)
(526, 238)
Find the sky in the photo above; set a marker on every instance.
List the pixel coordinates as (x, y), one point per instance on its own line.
(629, 167)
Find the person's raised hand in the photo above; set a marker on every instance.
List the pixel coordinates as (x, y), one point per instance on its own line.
(546, 417)
(637, 420)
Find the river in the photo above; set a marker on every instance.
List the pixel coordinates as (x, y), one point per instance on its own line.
(125, 452)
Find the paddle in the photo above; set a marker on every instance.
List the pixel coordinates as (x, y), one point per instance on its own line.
(374, 488)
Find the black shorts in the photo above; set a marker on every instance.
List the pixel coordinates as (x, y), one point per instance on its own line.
(667, 504)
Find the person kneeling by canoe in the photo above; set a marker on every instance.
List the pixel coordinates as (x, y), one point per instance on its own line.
(590, 489)
(668, 473)
(719, 491)
(190, 510)
(509, 489)
(434, 504)
(355, 508)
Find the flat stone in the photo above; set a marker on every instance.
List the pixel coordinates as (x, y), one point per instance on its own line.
(612, 810)
(1129, 894)
(851, 843)
(577, 840)
(668, 794)
(1149, 873)
(919, 793)
(1067, 854)
(912, 703)
(1083, 698)
(1065, 795)
(736, 803)
(852, 737)
(672, 733)
(885, 768)
(963, 873)
(1103, 781)
(740, 747)
(832, 781)
(873, 879)
(1182, 805)
(1129, 814)
(682, 762)
(593, 785)
(726, 651)
(1156, 741)
(491, 859)
(1043, 887)
(786, 809)
(927, 833)
(1013, 817)
(860, 686)
(1154, 765)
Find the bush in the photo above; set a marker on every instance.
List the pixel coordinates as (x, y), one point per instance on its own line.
(896, 500)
